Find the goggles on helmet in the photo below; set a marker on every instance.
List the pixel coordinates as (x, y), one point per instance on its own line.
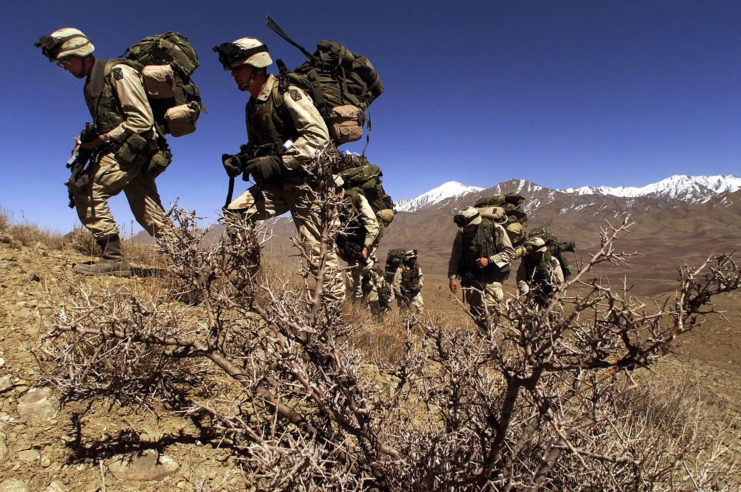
(50, 46)
(230, 53)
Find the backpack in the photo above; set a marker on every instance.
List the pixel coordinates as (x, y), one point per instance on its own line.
(506, 210)
(342, 85)
(166, 62)
(555, 248)
(365, 178)
(394, 259)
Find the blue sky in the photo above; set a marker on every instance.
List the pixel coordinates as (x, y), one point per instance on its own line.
(561, 93)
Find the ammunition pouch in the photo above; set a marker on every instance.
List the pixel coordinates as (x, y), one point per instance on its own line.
(158, 163)
(136, 150)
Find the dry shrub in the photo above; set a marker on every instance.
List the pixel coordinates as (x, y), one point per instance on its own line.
(82, 241)
(539, 398)
(4, 221)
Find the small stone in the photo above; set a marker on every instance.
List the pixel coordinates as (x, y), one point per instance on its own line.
(29, 455)
(6, 382)
(150, 465)
(2, 362)
(56, 486)
(34, 278)
(38, 405)
(45, 462)
(13, 485)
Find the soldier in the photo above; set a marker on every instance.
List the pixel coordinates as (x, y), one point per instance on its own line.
(285, 131)
(408, 282)
(480, 259)
(130, 150)
(357, 244)
(539, 272)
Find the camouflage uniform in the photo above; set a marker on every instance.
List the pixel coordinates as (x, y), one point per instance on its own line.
(407, 286)
(541, 273)
(290, 192)
(482, 287)
(122, 90)
(363, 219)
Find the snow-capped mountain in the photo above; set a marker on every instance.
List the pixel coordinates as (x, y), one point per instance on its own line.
(692, 189)
(436, 195)
(688, 189)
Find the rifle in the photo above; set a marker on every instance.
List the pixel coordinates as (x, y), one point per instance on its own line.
(81, 163)
(250, 151)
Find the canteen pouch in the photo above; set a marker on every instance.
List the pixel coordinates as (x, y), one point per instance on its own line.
(159, 81)
(346, 123)
(181, 120)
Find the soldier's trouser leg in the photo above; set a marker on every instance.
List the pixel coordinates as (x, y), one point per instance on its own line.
(257, 204)
(306, 217)
(109, 180)
(418, 303)
(482, 302)
(144, 201)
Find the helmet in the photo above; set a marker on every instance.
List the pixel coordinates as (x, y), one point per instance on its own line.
(536, 244)
(410, 254)
(63, 42)
(467, 216)
(243, 51)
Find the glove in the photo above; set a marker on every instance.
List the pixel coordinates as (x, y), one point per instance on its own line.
(263, 168)
(232, 164)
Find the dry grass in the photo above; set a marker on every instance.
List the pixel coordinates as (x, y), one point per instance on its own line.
(161, 342)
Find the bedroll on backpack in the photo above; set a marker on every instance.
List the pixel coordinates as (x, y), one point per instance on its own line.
(341, 83)
(366, 178)
(166, 62)
(394, 259)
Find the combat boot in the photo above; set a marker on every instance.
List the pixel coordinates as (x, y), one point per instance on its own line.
(111, 261)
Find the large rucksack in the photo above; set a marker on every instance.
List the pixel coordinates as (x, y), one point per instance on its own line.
(341, 83)
(363, 177)
(394, 258)
(506, 210)
(166, 62)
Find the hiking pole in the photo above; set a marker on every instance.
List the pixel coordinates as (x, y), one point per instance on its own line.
(280, 32)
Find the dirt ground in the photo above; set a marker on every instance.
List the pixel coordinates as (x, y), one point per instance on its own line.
(48, 448)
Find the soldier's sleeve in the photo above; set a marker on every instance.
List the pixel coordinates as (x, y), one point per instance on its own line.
(455, 256)
(368, 218)
(421, 277)
(556, 272)
(506, 252)
(313, 134)
(396, 282)
(132, 96)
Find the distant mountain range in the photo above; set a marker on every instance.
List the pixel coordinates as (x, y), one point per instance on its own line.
(690, 189)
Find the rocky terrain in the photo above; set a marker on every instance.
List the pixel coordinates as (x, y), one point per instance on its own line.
(50, 445)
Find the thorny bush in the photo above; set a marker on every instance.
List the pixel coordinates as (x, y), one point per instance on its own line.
(543, 397)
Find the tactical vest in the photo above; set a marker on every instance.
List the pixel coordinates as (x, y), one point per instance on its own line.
(481, 244)
(539, 271)
(268, 122)
(101, 98)
(409, 277)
